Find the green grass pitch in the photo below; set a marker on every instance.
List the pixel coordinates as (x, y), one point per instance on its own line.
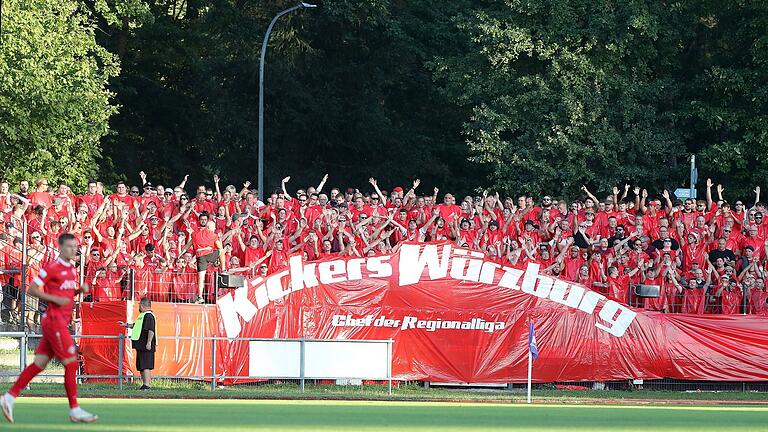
(117, 415)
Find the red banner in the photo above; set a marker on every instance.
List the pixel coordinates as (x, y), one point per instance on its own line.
(456, 317)
(189, 355)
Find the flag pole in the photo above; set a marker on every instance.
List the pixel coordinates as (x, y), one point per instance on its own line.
(530, 363)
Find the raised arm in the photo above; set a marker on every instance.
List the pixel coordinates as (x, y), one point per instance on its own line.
(282, 186)
(709, 194)
(183, 182)
(665, 194)
(411, 194)
(636, 191)
(244, 191)
(375, 185)
(322, 183)
(589, 194)
(626, 192)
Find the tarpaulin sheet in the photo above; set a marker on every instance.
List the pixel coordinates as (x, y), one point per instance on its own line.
(189, 355)
(454, 317)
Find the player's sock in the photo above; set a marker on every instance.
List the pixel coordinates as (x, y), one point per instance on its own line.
(70, 383)
(26, 376)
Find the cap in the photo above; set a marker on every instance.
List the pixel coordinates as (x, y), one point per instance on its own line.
(494, 222)
(547, 197)
(464, 220)
(398, 189)
(350, 190)
(168, 190)
(529, 222)
(147, 185)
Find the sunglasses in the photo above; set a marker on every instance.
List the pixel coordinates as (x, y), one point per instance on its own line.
(169, 193)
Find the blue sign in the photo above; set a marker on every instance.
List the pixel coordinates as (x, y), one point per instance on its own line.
(685, 193)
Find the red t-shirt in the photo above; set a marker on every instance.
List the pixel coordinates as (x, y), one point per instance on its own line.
(92, 201)
(447, 212)
(40, 198)
(125, 199)
(618, 288)
(204, 241)
(58, 278)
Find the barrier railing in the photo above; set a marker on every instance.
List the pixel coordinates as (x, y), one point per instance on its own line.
(304, 356)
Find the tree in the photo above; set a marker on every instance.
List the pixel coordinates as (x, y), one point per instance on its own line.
(566, 93)
(572, 92)
(54, 104)
(347, 92)
(725, 68)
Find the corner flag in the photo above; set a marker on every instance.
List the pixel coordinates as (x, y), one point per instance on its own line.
(534, 350)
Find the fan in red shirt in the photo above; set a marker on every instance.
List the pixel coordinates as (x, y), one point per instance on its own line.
(208, 250)
(122, 195)
(758, 298)
(694, 295)
(56, 284)
(730, 296)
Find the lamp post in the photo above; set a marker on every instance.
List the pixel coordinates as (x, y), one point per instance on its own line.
(261, 90)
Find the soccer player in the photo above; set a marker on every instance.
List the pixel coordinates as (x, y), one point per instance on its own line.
(56, 284)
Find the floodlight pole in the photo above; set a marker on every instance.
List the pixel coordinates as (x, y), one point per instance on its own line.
(261, 90)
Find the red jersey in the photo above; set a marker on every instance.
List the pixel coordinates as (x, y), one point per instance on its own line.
(92, 201)
(204, 241)
(618, 288)
(58, 278)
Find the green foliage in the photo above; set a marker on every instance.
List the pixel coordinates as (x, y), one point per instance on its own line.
(523, 96)
(54, 105)
(346, 92)
(572, 92)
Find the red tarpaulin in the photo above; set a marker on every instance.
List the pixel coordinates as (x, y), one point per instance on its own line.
(188, 356)
(455, 317)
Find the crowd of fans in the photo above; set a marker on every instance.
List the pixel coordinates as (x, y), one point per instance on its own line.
(701, 256)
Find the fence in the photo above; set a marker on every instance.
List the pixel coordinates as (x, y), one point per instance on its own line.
(306, 352)
(670, 300)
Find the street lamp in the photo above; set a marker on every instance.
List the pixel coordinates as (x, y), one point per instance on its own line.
(261, 90)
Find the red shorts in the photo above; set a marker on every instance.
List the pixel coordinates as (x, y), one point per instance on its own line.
(56, 342)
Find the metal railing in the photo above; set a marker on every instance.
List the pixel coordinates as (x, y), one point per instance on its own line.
(214, 377)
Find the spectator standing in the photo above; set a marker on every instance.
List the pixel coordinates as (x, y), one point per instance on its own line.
(144, 341)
